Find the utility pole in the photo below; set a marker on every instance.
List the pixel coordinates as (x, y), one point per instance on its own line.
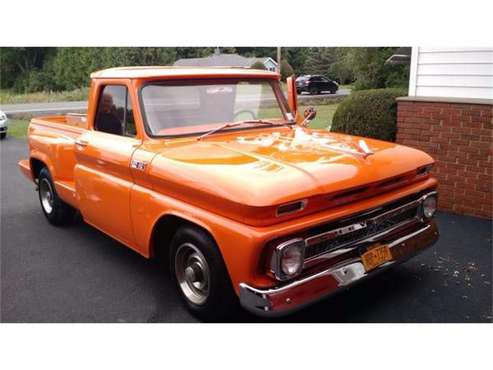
(279, 59)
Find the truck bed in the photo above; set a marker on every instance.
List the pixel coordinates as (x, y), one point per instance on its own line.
(52, 141)
(76, 120)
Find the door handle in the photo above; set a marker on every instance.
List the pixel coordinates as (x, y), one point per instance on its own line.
(80, 142)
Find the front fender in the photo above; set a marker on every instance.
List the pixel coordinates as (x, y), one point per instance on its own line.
(240, 245)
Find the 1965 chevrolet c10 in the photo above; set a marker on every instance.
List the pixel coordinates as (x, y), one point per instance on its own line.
(215, 172)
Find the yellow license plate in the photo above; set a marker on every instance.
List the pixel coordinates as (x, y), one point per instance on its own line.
(376, 257)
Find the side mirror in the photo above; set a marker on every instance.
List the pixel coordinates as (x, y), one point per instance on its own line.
(310, 113)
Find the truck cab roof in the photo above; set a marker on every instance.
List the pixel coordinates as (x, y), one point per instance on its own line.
(182, 72)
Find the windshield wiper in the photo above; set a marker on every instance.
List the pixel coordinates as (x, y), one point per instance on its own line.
(233, 124)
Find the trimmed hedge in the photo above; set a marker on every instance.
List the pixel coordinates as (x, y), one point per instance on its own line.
(369, 113)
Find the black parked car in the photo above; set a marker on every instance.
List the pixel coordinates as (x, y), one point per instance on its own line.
(314, 84)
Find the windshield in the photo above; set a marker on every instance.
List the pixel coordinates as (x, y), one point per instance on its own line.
(192, 107)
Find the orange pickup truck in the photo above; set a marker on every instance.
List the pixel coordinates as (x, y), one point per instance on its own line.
(215, 172)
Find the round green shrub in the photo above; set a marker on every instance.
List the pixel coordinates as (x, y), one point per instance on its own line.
(257, 65)
(369, 113)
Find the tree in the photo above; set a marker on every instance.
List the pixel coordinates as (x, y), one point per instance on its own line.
(342, 69)
(371, 72)
(319, 60)
(16, 62)
(257, 52)
(296, 57)
(73, 66)
(286, 69)
(193, 52)
(227, 50)
(34, 69)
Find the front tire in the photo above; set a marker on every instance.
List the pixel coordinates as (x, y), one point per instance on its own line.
(57, 212)
(200, 275)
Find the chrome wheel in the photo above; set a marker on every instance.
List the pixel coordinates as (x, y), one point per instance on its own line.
(192, 273)
(46, 195)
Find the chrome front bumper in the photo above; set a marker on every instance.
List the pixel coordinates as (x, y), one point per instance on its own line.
(307, 290)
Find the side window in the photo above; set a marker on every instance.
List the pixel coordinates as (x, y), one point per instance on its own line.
(115, 113)
(130, 129)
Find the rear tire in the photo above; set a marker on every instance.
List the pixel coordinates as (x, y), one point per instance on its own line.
(3, 135)
(200, 274)
(57, 212)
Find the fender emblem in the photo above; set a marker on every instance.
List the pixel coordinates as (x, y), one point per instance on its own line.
(138, 165)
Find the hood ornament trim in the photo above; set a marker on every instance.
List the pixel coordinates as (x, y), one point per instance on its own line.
(365, 149)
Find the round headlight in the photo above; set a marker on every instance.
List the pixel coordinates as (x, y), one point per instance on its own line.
(429, 206)
(288, 259)
(292, 261)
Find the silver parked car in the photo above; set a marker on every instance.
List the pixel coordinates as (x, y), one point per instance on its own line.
(3, 125)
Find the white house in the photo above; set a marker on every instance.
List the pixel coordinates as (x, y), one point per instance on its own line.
(226, 60)
(451, 72)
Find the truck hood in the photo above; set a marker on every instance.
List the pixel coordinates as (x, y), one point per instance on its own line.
(262, 169)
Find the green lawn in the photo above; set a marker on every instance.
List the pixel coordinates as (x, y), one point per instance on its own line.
(10, 97)
(324, 114)
(18, 128)
(350, 86)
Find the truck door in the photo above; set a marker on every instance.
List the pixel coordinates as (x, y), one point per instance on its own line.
(103, 179)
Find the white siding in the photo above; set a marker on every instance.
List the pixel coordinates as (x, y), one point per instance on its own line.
(452, 72)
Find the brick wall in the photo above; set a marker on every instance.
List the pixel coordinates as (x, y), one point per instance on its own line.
(459, 136)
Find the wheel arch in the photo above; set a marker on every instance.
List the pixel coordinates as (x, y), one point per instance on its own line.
(37, 162)
(164, 229)
(36, 166)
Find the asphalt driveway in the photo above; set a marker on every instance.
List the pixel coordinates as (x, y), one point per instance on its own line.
(78, 274)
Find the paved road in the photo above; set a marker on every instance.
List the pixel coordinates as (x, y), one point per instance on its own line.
(78, 274)
(81, 106)
(339, 93)
(44, 108)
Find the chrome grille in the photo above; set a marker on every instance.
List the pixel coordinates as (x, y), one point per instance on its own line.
(366, 227)
(327, 245)
(397, 219)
